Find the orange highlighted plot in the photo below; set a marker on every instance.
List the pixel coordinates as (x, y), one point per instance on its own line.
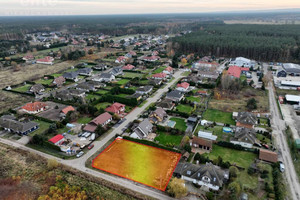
(144, 164)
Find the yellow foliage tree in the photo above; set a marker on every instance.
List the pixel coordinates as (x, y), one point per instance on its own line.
(177, 188)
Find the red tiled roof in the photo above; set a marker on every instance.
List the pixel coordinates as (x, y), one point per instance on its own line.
(128, 67)
(267, 155)
(169, 69)
(245, 69)
(115, 108)
(67, 109)
(34, 106)
(28, 57)
(102, 118)
(46, 59)
(121, 58)
(151, 58)
(56, 138)
(201, 141)
(132, 53)
(234, 71)
(160, 75)
(183, 85)
(202, 92)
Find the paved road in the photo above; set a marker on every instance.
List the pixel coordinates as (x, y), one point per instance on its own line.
(80, 163)
(278, 126)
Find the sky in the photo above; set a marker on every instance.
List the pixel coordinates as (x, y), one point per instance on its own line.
(102, 7)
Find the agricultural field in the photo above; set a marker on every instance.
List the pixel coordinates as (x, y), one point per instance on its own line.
(180, 123)
(218, 116)
(141, 163)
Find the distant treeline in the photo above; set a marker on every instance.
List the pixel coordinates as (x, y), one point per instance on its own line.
(259, 42)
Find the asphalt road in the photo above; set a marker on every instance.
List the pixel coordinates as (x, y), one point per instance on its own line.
(278, 126)
(79, 163)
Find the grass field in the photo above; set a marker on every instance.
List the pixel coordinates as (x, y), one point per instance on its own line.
(84, 120)
(102, 105)
(144, 164)
(23, 88)
(240, 158)
(102, 92)
(132, 75)
(123, 81)
(217, 130)
(165, 139)
(44, 81)
(159, 70)
(184, 108)
(43, 126)
(194, 99)
(56, 75)
(91, 97)
(218, 116)
(180, 123)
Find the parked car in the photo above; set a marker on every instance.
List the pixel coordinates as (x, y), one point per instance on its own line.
(266, 146)
(82, 146)
(80, 154)
(80, 134)
(281, 167)
(93, 136)
(91, 146)
(87, 135)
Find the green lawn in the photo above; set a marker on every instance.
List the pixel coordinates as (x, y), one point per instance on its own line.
(243, 77)
(240, 158)
(144, 81)
(132, 75)
(164, 139)
(102, 105)
(159, 70)
(184, 108)
(24, 88)
(92, 97)
(43, 126)
(102, 92)
(218, 116)
(193, 99)
(216, 130)
(84, 120)
(56, 75)
(44, 81)
(123, 81)
(123, 95)
(180, 123)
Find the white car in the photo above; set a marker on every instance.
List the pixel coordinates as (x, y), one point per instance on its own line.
(281, 167)
(80, 154)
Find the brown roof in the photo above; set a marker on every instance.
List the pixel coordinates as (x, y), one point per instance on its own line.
(267, 155)
(201, 141)
(102, 118)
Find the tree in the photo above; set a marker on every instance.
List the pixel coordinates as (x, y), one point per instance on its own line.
(52, 164)
(176, 188)
(251, 104)
(188, 148)
(233, 171)
(251, 83)
(100, 130)
(52, 128)
(90, 52)
(235, 189)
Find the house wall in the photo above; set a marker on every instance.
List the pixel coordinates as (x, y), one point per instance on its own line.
(213, 187)
(243, 144)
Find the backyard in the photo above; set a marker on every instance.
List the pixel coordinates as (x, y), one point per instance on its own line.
(168, 139)
(102, 105)
(180, 123)
(193, 99)
(218, 116)
(132, 75)
(185, 108)
(23, 88)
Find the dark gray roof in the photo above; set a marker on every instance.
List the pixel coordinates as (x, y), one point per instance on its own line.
(245, 135)
(160, 112)
(165, 104)
(135, 96)
(246, 118)
(175, 94)
(291, 68)
(145, 126)
(155, 81)
(85, 86)
(37, 88)
(145, 88)
(70, 75)
(84, 71)
(105, 75)
(9, 121)
(116, 70)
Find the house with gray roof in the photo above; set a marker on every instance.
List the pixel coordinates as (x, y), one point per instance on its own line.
(144, 89)
(104, 77)
(86, 86)
(85, 71)
(11, 124)
(37, 89)
(175, 95)
(207, 175)
(292, 69)
(142, 130)
(166, 104)
(73, 76)
(116, 71)
(245, 119)
(245, 137)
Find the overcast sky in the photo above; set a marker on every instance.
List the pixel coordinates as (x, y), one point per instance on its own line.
(92, 7)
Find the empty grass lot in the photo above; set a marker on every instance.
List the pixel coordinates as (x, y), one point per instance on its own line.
(180, 123)
(23, 88)
(218, 116)
(92, 97)
(132, 75)
(123, 81)
(159, 70)
(102, 92)
(184, 108)
(44, 81)
(165, 138)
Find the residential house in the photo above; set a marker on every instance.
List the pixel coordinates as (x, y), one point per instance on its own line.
(292, 69)
(59, 81)
(130, 54)
(268, 156)
(157, 116)
(97, 84)
(142, 130)
(201, 65)
(144, 89)
(183, 87)
(86, 86)
(85, 71)
(104, 77)
(207, 175)
(155, 82)
(244, 136)
(65, 111)
(160, 76)
(207, 135)
(35, 107)
(166, 104)
(169, 71)
(100, 67)
(29, 59)
(116, 71)
(245, 119)
(198, 143)
(213, 75)
(48, 60)
(11, 124)
(57, 140)
(128, 67)
(102, 120)
(69, 94)
(281, 72)
(242, 62)
(137, 96)
(234, 71)
(202, 93)
(37, 89)
(150, 58)
(116, 108)
(175, 95)
(73, 76)
(121, 59)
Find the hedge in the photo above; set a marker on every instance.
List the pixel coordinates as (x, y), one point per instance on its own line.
(149, 143)
(24, 93)
(236, 146)
(182, 114)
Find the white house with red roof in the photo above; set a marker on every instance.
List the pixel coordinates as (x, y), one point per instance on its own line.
(128, 67)
(150, 58)
(130, 54)
(116, 108)
(67, 109)
(35, 107)
(102, 120)
(48, 60)
(121, 59)
(183, 87)
(159, 76)
(234, 71)
(169, 71)
(28, 58)
(57, 140)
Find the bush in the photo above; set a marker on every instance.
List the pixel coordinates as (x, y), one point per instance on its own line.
(52, 164)
(233, 171)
